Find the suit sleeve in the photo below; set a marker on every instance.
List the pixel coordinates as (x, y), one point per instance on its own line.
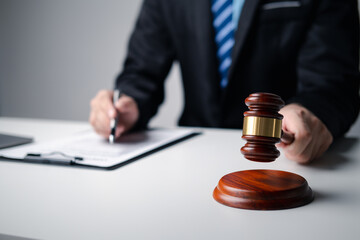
(149, 59)
(328, 66)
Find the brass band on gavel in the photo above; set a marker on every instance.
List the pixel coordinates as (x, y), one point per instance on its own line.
(262, 126)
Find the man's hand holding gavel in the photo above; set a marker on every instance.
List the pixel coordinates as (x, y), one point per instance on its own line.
(311, 136)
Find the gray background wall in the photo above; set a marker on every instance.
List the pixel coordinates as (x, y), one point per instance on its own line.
(55, 56)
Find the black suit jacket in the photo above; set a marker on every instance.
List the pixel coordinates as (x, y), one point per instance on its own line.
(307, 54)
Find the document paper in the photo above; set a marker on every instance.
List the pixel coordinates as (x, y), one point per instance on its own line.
(97, 151)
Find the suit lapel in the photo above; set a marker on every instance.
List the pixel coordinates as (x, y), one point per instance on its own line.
(244, 24)
(205, 37)
(203, 22)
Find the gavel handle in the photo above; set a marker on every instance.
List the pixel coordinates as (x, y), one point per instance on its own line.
(287, 137)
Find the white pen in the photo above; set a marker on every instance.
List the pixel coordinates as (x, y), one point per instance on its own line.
(113, 122)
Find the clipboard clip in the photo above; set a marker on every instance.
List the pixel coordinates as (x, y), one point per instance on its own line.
(53, 157)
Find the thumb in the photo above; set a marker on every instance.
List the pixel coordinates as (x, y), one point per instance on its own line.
(124, 104)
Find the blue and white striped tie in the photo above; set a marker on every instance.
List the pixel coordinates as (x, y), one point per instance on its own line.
(224, 36)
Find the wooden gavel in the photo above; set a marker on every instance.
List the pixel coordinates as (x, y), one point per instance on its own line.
(263, 127)
(261, 188)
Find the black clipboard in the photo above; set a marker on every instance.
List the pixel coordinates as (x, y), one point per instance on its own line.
(157, 139)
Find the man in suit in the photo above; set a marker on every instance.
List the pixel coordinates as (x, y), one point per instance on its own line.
(306, 51)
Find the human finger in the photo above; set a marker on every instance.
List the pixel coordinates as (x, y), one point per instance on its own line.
(128, 113)
(101, 123)
(103, 101)
(302, 136)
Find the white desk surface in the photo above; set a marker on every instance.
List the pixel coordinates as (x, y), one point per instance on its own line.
(168, 195)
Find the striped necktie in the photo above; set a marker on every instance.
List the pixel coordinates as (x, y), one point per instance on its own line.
(224, 36)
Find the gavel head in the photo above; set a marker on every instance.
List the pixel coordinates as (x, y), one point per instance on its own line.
(262, 127)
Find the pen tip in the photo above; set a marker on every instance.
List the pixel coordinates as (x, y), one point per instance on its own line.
(111, 139)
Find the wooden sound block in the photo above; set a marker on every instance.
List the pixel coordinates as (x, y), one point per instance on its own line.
(263, 190)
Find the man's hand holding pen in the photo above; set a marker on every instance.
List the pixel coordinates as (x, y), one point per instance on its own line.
(103, 110)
